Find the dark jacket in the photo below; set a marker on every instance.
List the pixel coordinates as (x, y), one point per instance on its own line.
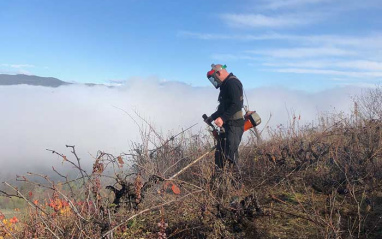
(230, 99)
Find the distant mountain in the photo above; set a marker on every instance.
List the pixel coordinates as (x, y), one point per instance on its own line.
(31, 80)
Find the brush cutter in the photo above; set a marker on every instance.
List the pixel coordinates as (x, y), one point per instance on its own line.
(215, 130)
(252, 119)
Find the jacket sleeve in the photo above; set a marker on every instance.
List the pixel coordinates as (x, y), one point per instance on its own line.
(235, 99)
(218, 113)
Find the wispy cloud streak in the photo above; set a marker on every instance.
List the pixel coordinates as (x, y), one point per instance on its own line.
(355, 74)
(304, 52)
(370, 41)
(232, 57)
(18, 66)
(277, 4)
(360, 65)
(209, 36)
(261, 21)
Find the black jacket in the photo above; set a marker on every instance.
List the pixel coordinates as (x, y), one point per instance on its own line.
(230, 98)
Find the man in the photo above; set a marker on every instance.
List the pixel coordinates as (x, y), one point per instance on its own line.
(229, 114)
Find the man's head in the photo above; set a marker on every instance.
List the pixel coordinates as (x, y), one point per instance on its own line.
(217, 74)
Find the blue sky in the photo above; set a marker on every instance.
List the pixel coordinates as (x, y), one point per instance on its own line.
(299, 44)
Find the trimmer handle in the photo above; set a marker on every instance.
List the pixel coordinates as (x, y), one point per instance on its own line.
(215, 130)
(209, 122)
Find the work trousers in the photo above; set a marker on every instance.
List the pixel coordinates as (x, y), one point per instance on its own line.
(228, 145)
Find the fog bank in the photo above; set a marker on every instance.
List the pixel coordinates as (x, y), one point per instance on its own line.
(34, 119)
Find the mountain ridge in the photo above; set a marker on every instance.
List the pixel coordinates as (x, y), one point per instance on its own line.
(21, 79)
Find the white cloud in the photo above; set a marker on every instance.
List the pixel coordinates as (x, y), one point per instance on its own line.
(370, 41)
(348, 56)
(305, 64)
(260, 21)
(353, 70)
(304, 52)
(203, 36)
(363, 65)
(231, 57)
(18, 66)
(364, 85)
(22, 66)
(24, 72)
(324, 63)
(209, 36)
(276, 4)
(36, 118)
(355, 74)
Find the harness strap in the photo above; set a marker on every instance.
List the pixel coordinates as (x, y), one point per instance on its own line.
(237, 115)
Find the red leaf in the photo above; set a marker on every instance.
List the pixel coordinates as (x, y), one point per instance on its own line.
(175, 189)
(120, 160)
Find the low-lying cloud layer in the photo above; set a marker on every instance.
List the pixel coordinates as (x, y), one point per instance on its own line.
(34, 119)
